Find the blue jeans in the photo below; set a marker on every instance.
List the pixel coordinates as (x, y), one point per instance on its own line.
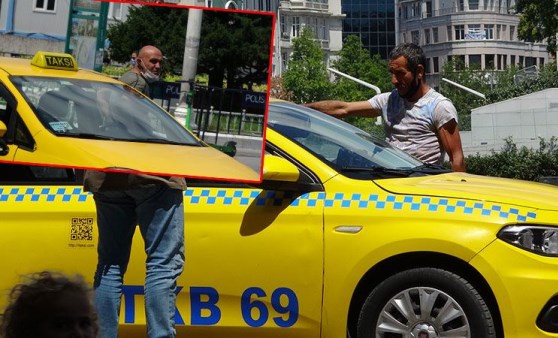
(159, 211)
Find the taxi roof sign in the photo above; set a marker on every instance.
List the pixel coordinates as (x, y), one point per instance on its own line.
(52, 60)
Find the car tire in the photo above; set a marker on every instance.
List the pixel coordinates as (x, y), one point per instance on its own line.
(436, 302)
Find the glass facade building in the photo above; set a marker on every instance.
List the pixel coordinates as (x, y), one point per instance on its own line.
(373, 21)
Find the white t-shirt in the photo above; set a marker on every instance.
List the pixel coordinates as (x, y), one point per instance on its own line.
(413, 128)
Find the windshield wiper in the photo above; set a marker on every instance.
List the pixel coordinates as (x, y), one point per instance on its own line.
(162, 141)
(431, 168)
(88, 136)
(381, 171)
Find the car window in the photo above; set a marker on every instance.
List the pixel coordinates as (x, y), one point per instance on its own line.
(89, 109)
(335, 142)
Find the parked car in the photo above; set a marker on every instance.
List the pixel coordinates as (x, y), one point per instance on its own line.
(52, 113)
(345, 237)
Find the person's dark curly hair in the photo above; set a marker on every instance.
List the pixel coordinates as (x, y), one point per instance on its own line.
(20, 314)
(413, 53)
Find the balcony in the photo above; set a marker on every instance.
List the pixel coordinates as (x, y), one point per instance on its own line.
(309, 4)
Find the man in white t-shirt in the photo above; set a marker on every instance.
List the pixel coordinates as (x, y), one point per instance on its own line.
(416, 118)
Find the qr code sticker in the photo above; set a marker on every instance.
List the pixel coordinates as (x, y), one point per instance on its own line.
(82, 229)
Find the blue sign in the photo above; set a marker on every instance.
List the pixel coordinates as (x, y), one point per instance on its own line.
(253, 99)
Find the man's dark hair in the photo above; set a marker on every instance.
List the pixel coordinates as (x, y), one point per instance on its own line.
(413, 53)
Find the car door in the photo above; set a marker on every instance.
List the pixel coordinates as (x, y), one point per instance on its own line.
(46, 222)
(254, 257)
(254, 263)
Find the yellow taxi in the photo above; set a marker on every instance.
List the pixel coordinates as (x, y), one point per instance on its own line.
(344, 237)
(53, 113)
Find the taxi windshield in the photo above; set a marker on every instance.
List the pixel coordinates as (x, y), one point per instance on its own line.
(98, 110)
(339, 144)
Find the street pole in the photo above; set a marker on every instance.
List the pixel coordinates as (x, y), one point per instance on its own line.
(189, 64)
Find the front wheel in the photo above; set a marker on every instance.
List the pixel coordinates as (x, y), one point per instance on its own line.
(425, 303)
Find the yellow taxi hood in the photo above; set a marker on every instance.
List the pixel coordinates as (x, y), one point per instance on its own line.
(468, 186)
(151, 158)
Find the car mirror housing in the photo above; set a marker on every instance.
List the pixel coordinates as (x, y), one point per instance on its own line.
(279, 169)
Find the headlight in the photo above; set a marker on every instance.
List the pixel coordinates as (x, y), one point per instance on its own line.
(542, 240)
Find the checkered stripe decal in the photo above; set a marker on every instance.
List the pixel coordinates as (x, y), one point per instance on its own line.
(42, 194)
(246, 197)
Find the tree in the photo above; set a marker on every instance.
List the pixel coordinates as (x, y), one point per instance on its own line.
(163, 27)
(355, 60)
(538, 21)
(236, 47)
(472, 77)
(233, 45)
(306, 76)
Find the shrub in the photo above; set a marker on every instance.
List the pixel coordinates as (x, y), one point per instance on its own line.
(517, 162)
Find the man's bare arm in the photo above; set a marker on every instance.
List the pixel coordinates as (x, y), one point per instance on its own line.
(451, 141)
(342, 109)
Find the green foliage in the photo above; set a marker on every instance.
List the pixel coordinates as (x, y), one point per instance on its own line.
(233, 46)
(306, 77)
(517, 162)
(538, 21)
(496, 85)
(508, 88)
(164, 27)
(471, 77)
(236, 47)
(355, 60)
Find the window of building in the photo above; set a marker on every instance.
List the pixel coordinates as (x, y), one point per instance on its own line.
(436, 65)
(313, 25)
(415, 37)
(498, 30)
(429, 9)
(474, 32)
(504, 62)
(521, 64)
(284, 61)
(541, 62)
(459, 32)
(322, 32)
(475, 60)
(415, 10)
(512, 60)
(115, 11)
(45, 5)
(231, 5)
(512, 33)
(449, 33)
(530, 61)
(427, 68)
(473, 5)
(489, 31)
(489, 61)
(427, 36)
(461, 5)
(295, 31)
(435, 35)
(283, 27)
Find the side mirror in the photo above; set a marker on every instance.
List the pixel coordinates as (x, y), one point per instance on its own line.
(279, 169)
(281, 175)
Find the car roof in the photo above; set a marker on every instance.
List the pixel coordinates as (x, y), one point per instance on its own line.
(21, 67)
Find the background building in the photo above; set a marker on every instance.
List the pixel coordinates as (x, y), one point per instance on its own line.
(324, 17)
(374, 21)
(32, 25)
(477, 32)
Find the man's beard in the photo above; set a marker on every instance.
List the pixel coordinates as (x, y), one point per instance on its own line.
(415, 85)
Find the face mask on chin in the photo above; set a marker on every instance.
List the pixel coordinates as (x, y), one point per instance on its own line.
(148, 75)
